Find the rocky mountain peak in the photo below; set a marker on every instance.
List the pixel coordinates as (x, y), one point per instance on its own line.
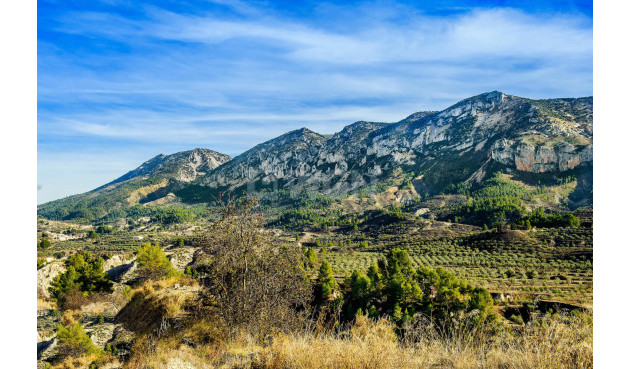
(359, 128)
(184, 166)
(460, 143)
(493, 96)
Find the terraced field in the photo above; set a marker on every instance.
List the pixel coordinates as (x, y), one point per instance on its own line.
(551, 263)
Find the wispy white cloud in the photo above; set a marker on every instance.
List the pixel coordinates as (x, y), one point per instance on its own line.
(229, 82)
(488, 32)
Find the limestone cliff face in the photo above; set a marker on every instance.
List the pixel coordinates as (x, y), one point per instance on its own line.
(542, 158)
(441, 148)
(522, 134)
(184, 166)
(287, 157)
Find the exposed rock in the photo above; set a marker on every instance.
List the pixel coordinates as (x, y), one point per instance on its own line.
(422, 211)
(45, 275)
(46, 349)
(123, 273)
(451, 146)
(541, 158)
(114, 261)
(183, 166)
(182, 257)
(102, 333)
(365, 153)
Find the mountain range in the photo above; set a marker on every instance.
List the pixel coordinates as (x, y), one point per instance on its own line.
(464, 143)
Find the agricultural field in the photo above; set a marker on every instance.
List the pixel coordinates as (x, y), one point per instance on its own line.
(546, 263)
(532, 266)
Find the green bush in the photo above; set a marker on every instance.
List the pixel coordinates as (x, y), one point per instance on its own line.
(311, 257)
(516, 318)
(84, 274)
(189, 271)
(103, 229)
(73, 341)
(394, 288)
(326, 281)
(44, 244)
(539, 219)
(153, 263)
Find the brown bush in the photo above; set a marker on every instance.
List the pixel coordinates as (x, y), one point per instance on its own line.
(249, 282)
(72, 300)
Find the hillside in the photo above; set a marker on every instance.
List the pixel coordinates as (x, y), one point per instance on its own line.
(152, 181)
(535, 141)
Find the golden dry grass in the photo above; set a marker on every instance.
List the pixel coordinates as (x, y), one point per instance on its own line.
(84, 362)
(156, 301)
(557, 343)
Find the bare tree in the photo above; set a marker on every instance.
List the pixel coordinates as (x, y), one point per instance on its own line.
(249, 281)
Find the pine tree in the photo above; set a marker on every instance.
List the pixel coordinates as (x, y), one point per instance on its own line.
(311, 257)
(73, 341)
(326, 280)
(153, 263)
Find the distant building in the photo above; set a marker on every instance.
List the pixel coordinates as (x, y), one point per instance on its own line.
(137, 237)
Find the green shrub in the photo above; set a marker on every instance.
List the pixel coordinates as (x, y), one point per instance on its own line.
(44, 243)
(394, 288)
(73, 341)
(326, 281)
(189, 271)
(153, 263)
(113, 350)
(103, 229)
(311, 257)
(539, 219)
(516, 318)
(84, 275)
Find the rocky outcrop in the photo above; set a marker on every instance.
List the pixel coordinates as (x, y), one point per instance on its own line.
(46, 349)
(541, 158)
(182, 257)
(289, 156)
(183, 166)
(45, 275)
(450, 146)
(488, 125)
(101, 334)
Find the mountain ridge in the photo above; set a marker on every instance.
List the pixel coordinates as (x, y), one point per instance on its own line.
(460, 143)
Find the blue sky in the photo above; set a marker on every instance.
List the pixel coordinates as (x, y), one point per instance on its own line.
(122, 81)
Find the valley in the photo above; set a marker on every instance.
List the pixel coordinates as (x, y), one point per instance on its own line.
(472, 220)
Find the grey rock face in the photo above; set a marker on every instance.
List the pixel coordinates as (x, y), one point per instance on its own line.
(523, 134)
(183, 166)
(493, 124)
(542, 158)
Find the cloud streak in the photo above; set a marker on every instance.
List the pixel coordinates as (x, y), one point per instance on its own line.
(147, 76)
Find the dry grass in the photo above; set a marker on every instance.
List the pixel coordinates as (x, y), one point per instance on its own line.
(562, 342)
(83, 362)
(43, 304)
(553, 343)
(154, 302)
